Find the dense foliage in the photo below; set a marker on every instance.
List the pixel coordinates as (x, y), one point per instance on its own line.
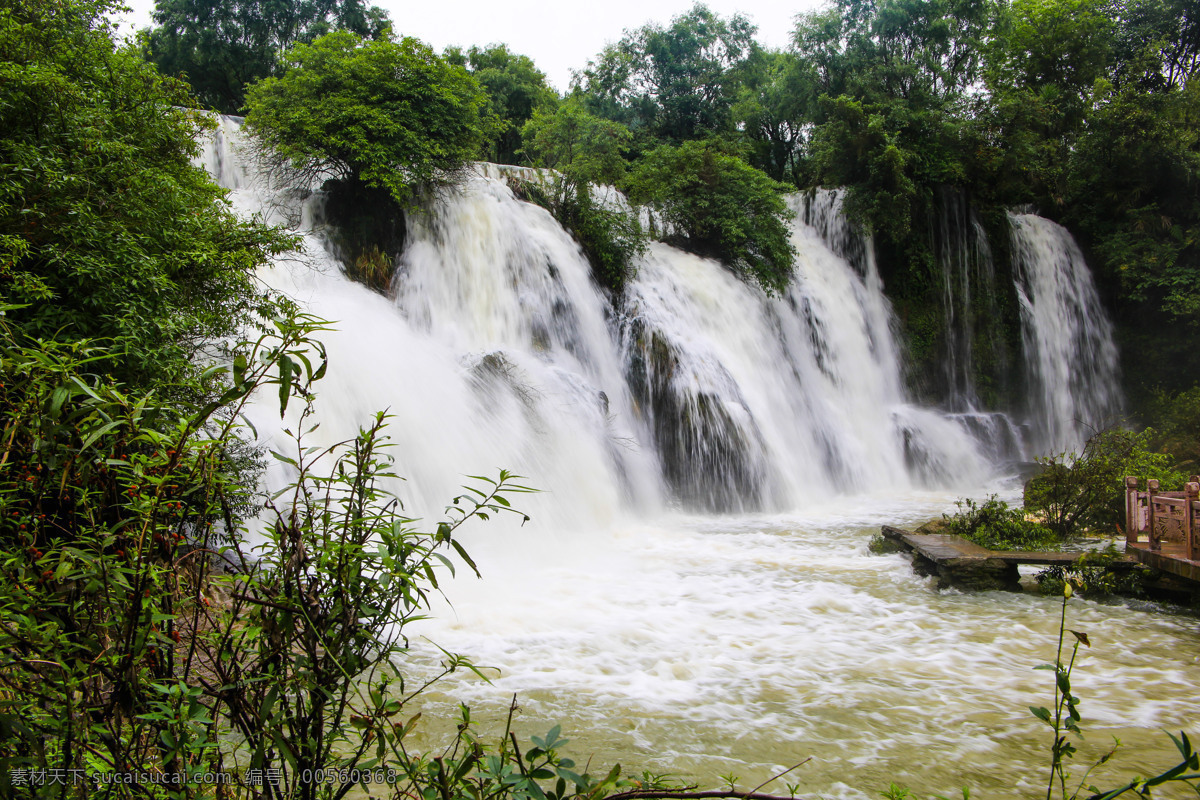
(222, 46)
(1073, 494)
(142, 634)
(587, 156)
(516, 90)
(674, 83)
(1086, 110)
(388, 113)
(1078, 492)
(1177, 416)
(992, 524)
(107, 230)
(714, 203)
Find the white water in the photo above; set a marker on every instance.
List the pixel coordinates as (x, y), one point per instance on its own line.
(702, 645)
(1071, 359)
(806, 387)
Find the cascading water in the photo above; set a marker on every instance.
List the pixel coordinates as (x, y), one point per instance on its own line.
(768, 403)
(969, 312)
(736, 400)
(697, 645)
(495, 352)
(1070, 356)
(970, 315)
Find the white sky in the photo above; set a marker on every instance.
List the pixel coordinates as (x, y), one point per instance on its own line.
(558, 36)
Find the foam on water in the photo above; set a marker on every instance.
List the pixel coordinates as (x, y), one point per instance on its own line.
(749, 643)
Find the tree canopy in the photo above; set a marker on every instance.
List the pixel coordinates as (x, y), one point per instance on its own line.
(516, 90)
(674, 83)
(389, 113)
(583, 147)
(222, 46)
(717, 205)
(107, 230)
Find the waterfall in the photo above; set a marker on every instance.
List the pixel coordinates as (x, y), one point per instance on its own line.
(1070, 355)
(497, 350)
(694, 645)
(973, 350)
(970, 313)
(768, 403)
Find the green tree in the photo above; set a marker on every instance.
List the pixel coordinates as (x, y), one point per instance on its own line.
(1079, 492)
(1157, 43)
(896, 122)
(516, 90)
(715, 204)
(895, 80)
(583, 147)
(777, 101)
(387, 113)
(1042, 75)
(222, 46)
(107, 230)
(674, 83)
(585, 152)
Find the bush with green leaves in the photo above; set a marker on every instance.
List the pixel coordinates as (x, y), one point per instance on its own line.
(992, 524)
(1084, 492)
(585, 153)
(584, 148)
(388, 113)
(107, 230)
(142, 632)
(715, 204)
(111, 503)
(610, 235)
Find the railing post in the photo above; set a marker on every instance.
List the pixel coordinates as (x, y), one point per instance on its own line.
(1131, 510)
(1151, 490)
(1191, 537)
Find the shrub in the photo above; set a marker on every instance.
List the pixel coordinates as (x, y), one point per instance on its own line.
(107, 229)
(611, 237)
(1076, 493)
(126, 649)
(717, 205)
(992, 524)
(110, 503)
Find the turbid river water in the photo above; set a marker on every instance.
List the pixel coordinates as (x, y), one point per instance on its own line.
(744, 645)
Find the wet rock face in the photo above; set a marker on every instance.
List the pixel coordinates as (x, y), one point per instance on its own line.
(367, 231)
(979, 575)
(704, 451)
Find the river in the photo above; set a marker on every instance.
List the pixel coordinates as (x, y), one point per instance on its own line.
(702, 647)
